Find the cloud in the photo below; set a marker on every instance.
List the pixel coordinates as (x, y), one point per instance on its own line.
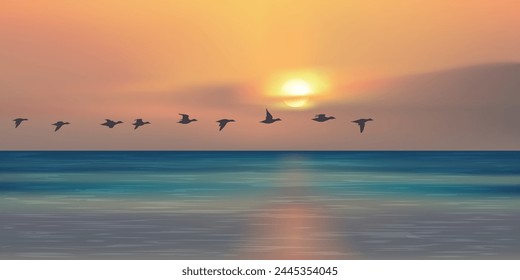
(463, 108)
(217, 95)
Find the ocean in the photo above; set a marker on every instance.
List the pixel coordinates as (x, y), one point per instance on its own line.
(259, 205)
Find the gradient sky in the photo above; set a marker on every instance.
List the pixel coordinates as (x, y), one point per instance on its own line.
(84, 61)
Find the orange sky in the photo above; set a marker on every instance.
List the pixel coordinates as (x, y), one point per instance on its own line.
(84, 61)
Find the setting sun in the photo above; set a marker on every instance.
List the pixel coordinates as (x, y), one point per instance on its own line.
(296, 87)
(296, 92)
(301, 89)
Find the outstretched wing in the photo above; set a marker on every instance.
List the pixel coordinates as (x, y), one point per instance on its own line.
(58, 126)
(268, 115)
(185, 117)
(17, 123)
(361, 126)
(221, 124)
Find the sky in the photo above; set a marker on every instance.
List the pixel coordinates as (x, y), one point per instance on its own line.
(84, 61)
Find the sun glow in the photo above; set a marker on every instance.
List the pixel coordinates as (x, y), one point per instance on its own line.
(296, 92)
(297, 89)
(296, 102)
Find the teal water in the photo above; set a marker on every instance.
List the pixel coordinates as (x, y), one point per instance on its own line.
(257, 205)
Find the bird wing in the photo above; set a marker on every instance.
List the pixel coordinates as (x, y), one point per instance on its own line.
(320, 116)
(185, 117)
(108, 120)
(221, 124)
(361, 127)
(58, 126)
(268, 115)
(17, 123)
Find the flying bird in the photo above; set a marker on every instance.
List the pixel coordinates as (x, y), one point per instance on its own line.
(222, 123)
(269, 118)
(361, 123)
(110, 123)
(139, 122)
(59, 125)
(19, 121)
(322, 118)
(186, 119)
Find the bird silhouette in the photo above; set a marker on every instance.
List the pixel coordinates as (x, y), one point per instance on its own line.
(222, 123)
(361, 123)
(186, 119)
(59, 125)
(110, 123)
(322, 118)
(139, 122)
(269, 118)
(18, 122)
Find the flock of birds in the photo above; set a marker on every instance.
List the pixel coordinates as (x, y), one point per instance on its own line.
(186, 120)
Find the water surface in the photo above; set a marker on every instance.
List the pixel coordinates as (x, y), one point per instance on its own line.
(258, 205)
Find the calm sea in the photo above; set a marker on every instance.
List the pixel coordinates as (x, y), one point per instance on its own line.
(259, 205)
